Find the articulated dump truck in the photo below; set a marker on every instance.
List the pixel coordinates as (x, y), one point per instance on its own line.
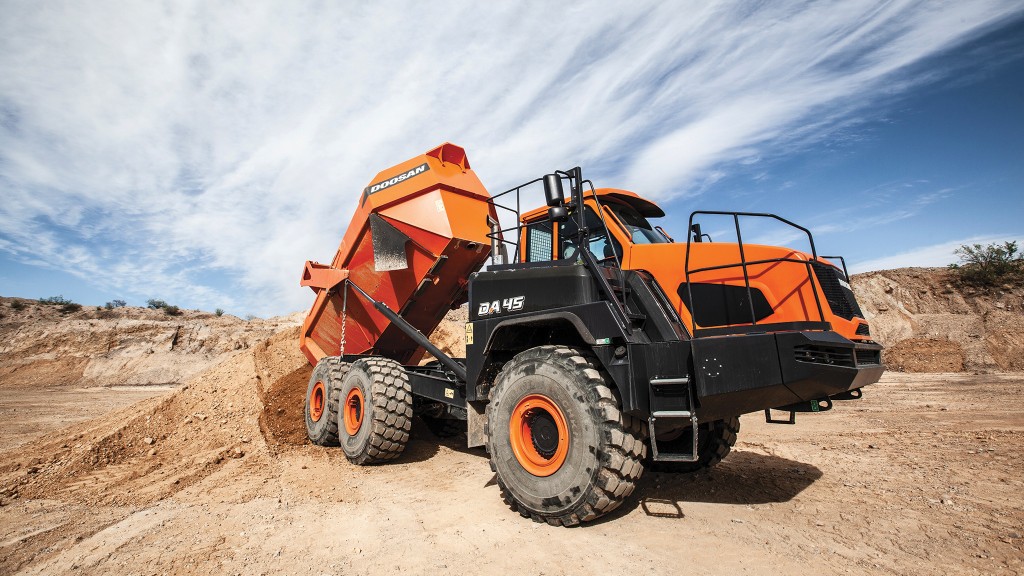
(596, 346)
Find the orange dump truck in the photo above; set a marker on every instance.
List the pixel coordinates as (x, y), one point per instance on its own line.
(596, 345)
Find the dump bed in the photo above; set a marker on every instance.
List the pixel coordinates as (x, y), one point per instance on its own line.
(419, 230)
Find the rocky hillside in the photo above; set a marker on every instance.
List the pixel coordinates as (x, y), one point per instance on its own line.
(927, 320)
(930, 322)
(41, 346)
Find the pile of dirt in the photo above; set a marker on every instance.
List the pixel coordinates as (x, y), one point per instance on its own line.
(42, 347)
(158, 447)
(931, 322)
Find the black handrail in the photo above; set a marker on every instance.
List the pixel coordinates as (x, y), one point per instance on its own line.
(843, 260)
(578, 212)
(744, 264)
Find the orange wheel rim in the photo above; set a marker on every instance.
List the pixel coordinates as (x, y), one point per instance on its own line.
(316, 402)
(539, 435)
(352, 413)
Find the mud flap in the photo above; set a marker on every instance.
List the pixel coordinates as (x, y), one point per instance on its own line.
(388, 245)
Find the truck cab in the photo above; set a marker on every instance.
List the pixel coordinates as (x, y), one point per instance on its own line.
(780, 292)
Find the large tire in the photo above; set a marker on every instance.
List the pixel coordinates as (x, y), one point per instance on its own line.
(714, 441)
(562, 449)
(322, 401)
(375, 411)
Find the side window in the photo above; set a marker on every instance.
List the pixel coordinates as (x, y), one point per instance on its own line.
(538, 242)
(597, 240)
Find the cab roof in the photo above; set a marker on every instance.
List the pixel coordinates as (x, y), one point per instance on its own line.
(644, 206)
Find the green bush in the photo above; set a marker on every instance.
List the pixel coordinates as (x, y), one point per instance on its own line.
(156, 304)
(219, 312)
(55, 301)
(172, 310)
(988, 265)
(118, 304)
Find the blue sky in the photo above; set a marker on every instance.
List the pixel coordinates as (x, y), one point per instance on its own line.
(199, 152)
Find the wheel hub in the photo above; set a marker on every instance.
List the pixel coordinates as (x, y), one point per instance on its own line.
(352, 413)
(539, 435)
(316, 402)
(543, 432)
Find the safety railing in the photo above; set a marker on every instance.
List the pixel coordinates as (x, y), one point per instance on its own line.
(744, 264)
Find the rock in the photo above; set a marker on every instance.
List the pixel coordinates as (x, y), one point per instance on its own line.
(147, 440)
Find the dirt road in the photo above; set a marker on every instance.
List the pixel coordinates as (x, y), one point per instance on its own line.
(922, 476)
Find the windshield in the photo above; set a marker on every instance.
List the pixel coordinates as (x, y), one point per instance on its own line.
(639, 229)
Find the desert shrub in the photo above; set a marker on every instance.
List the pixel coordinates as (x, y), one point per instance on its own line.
(988, 265)
(250, 317)
(156, 304)
(219, 312)
(18, 305)
(55, 301)
(172, 310)
(69, 307)
(115, 304)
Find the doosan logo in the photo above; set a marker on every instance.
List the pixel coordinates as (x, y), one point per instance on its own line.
(373, 188)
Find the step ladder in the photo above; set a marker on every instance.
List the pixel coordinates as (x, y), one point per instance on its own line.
(691, 415)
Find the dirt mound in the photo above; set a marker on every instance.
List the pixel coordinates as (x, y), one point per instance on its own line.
(925, 355)
(40, 346)
(159, 447)
(241, 410)
(930, 322)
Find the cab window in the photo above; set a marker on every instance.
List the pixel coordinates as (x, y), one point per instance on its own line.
(638, 228)
(601, 244)
(538, 242)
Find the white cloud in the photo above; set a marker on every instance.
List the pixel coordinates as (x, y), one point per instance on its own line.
(149, 147)
(940, 254)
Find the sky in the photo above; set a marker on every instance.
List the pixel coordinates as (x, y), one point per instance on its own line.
(199, 152)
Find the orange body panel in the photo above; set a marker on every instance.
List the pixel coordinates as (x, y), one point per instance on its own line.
(786, 285)
(435, 200)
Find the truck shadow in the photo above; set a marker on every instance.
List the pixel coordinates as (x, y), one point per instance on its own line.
(423, 444)
(743, 478)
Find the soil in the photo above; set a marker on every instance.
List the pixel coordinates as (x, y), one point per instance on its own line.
(41, 347)
(136, 443)
(923, 475)
(930, 321)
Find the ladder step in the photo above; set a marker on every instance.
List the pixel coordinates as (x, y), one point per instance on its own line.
(692, 456)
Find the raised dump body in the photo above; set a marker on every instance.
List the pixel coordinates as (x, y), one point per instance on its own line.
(418, 232)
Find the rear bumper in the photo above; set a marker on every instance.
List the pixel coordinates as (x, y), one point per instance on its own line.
(749, 373)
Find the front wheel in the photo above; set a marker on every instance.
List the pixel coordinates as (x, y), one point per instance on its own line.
(560, 445)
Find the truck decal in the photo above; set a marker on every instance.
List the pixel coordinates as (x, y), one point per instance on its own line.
(374, 188)
(496, 306)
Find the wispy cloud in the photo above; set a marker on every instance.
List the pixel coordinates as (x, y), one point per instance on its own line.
(203, 150)
(940, 254)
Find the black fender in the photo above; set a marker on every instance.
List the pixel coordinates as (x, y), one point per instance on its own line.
(590, 326)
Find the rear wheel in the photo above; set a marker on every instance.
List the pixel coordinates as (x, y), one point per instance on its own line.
(321, 401)
(375, 410)
(714, 441)
(560, 445)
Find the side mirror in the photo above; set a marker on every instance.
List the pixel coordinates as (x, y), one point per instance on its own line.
(558, 214)
(697, 236)
(553, 190)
